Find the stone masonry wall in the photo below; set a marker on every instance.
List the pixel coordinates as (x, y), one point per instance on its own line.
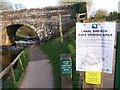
(44, 21)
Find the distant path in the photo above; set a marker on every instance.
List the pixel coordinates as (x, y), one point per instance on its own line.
(39, 71)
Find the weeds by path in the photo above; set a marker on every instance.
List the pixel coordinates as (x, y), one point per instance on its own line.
(54, 48)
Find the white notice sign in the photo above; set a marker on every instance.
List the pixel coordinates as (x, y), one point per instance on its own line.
(95, 46)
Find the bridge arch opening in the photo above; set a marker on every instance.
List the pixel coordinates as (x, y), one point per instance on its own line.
(16, 31)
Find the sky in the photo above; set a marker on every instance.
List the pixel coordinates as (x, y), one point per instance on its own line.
(36, 3)
(119, 7)
(109, 5)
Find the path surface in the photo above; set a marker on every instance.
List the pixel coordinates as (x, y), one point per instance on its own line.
(39, 71)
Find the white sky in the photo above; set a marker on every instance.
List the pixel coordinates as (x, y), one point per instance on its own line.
(110, 5)
(36, 3)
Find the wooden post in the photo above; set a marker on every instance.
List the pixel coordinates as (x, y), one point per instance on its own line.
(21, 63)
(66, 71)
(12, 75)
(77, 17)
(24, 56)
(60, 28)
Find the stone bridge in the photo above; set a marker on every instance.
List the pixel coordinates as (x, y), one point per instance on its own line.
(44, 22)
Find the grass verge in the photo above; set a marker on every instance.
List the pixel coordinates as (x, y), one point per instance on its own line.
(54, 48)
(18, 72)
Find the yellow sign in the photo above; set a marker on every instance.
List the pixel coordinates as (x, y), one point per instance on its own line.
(93, 77)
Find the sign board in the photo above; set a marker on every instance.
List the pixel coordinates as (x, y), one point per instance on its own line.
(93, 77)
(65, 67)
(95, 46)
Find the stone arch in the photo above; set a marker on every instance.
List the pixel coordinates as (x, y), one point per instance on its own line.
(9, 31)
(20, 23)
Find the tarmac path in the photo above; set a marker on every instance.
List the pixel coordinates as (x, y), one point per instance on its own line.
(39, 71)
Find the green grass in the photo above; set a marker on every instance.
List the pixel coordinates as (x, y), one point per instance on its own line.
(53, 52)
(118, 20)
(54, 48)
(18, 72)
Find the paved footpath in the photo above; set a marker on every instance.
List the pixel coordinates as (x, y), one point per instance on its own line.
(39, 71)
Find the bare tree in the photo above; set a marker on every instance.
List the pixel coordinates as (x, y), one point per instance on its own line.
(101, 13)
(5, 5)
(18, 6)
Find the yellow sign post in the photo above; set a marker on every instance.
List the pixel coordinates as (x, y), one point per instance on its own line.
(93, 77)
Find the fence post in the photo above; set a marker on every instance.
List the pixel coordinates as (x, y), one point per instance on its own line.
(77, 17)
(13, 76)
(117, 64)
(21, 63)
(24, 56)
(60, 28)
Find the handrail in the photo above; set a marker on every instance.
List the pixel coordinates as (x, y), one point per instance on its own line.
(15, 60)
(82, 14)
(5, 71)
(10, 67)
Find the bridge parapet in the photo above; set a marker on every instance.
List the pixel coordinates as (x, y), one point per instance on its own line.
(36, 13)
(44, 22)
